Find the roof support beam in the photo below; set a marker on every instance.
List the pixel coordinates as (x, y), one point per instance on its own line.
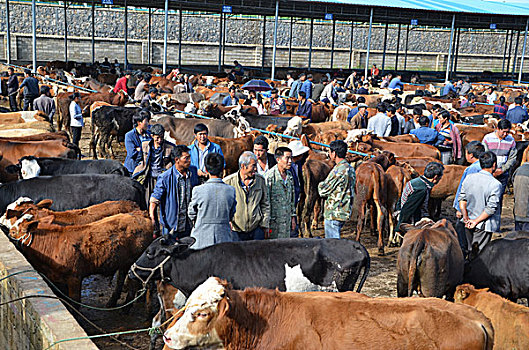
(310, 42)
(447, 75)
(263, 53)
(34, 33)
(275, 41)
(368, 42)
(456, 54)
(406, 47)
(93, 32)
(220, 41)
(65, 32)
(180, 37)
(8, 34)
(165, 29)
(385, 45)
(351, 45)
(149, 38)
(515, 55)
(523, 52)
(398, 47)
(505, 52)
(332, 42)
(126, 34)
(290, 42)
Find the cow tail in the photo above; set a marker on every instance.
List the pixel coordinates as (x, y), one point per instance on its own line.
(415, 252)
(367, 267)
(75, 148)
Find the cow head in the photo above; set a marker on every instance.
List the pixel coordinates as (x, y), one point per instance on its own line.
(464, 293)
(28, 167)
(294, 126)
(204, 107)
(10, 216)
(196, 326)
(151, 265)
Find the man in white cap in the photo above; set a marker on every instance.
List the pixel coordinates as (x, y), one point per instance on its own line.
(298, 152)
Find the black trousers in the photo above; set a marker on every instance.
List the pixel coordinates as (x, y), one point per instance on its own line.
(76, 134)
(13, 102)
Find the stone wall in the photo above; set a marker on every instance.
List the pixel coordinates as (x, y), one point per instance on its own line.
(34, 323)
(427, 47)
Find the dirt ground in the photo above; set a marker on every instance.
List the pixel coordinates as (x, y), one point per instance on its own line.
(381, 281)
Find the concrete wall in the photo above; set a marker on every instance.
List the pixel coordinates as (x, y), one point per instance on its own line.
(34, 323)
(51, 47)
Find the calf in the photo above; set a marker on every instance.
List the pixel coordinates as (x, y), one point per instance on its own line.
(30, 167)
(67, 254)
(396, 179)
(430, 261)
(74, 191)
(217, 316)
(510, 320)
(503, 267)
(233, 148)
(287, 264)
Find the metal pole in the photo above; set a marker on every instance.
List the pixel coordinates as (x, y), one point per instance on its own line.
(34, 33)
(398, 47)
(224, 36)
(180, 37)
(126, 34)
(93, 32)
(454, 64)
(332, 42)
(515, 54)
(65, 33)
(523, 52)
(275, 41)
(263, 54)
(368, 43)
(310, 41)
(447, 75)
(290, 42)
(385, 42)
(510, 51)
(165, 30)
(351, 45)
(220, 40)
(149, 38)
(504, 52)
(8, 34)
(406, 47)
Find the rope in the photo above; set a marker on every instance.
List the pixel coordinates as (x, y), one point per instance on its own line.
(16, 273)
(48, 78)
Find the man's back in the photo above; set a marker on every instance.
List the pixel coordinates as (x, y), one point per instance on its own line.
(517, 115)
(380, 124)
(317, 91)
(481, 191)
(426, 135)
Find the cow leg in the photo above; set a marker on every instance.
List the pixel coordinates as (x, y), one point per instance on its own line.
(381, 212)
(316, 214)
(373, 219)
(74, 288)
(402, 286)
(360, 222)
(133, 287)
(157, 321)
(117, 290)
(112, 153)
(391, 228)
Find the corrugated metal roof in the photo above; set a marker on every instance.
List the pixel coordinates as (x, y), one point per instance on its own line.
(512, 8)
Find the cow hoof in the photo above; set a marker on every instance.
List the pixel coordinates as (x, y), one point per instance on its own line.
(381, 251)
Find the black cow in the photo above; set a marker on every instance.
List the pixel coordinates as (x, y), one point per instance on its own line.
(30, 167)
(287, 264)
(109, 122)
(503, 267)
(74, 191)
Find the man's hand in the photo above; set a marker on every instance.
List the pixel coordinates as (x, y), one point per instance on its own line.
(458, 214)
(201, 173)
(498, 172)
(470, 224)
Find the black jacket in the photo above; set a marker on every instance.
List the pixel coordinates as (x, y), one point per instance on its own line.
(12, 84)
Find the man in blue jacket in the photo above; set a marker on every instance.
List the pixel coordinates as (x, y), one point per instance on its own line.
(173, 194)
(304, 107)
(517, 114)
(427, 135)
(296, 85)
(307, 87)
(200, 148)
(134, 139)
(396, 83)
(31, 89)
(449, 87)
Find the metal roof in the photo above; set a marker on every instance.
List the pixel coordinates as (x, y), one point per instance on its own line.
(476, 14)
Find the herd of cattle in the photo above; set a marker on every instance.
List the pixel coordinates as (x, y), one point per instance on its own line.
(73, 218)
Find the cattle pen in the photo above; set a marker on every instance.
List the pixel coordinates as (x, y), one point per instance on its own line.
(285, 37)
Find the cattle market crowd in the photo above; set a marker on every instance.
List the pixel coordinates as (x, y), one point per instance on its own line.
(226, 176)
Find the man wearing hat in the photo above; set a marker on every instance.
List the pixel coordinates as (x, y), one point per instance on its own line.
(146, 101)
(360, 119)
(31, 89)
(45, 103)
(338, 190)
(298, 158)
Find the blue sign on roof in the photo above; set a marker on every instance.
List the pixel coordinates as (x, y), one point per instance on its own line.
(328, 16)
(227, 9)
(107, 2)
(414, 22)
(492, 26)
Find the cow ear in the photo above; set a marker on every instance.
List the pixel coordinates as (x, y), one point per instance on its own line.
(47, 220)
(406, 227)
(305, 122)
(32, 226)
(189, 241)
(13, 169)
(224, 306)
(45, 203)
(461, 294)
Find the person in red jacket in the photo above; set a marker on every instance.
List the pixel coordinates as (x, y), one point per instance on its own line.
(121, 84)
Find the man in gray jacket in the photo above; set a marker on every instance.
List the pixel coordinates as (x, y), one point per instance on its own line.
(45, 103)
(252, 216)
(212, 207)
(521, 199)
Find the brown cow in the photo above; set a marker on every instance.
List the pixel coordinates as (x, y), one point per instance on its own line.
(430, 260)
(216, 316)
(510, 320)
(69, 217)
(14, 150)
(233, 148)
(60, 135)
(396, 179)
(371, 188)
(67, 254)
(313, 129)
(404, 149)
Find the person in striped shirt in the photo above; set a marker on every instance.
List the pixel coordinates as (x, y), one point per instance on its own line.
(502, 144)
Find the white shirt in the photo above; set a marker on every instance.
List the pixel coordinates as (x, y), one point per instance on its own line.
(290, 81)
(76, 115)
(491, 98)
(380, 124)
(327, 93)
